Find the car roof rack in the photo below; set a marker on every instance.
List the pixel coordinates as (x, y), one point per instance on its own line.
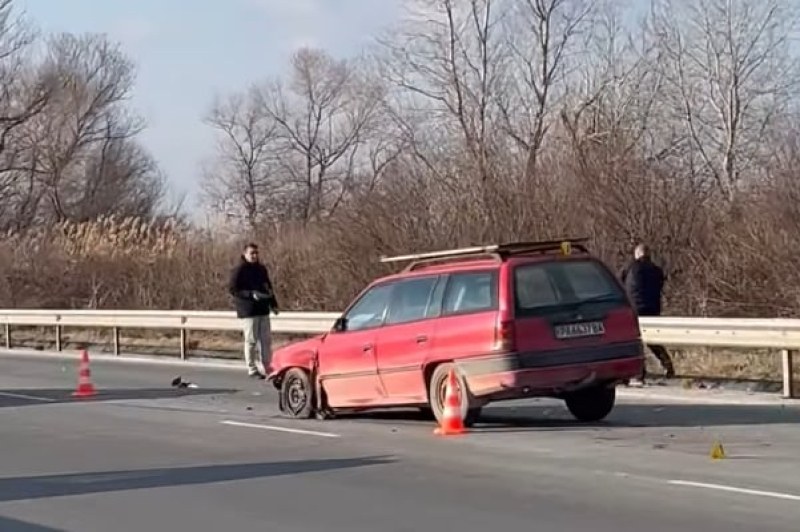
(495, 251)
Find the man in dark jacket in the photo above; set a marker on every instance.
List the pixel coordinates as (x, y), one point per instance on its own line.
(254, 298)
(644, 281)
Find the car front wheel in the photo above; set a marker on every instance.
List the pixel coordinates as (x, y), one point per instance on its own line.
(297, 394)
(591, 404)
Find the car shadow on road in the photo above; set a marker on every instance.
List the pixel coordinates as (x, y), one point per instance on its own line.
(494, 419)
(557, 418)
(14, 525)
(48, 396)
(40, 487)
(637, 416)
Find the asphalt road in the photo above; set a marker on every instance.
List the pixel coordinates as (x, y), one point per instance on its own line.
(145, 456)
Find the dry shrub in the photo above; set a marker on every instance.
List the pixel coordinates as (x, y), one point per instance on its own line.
(118, 239)
(114, 263)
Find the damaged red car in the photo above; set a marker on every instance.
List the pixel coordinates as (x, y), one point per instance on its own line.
(525, 319)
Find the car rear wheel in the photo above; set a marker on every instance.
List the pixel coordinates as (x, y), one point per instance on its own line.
(297, 394)
(470, 412)
(592, 404)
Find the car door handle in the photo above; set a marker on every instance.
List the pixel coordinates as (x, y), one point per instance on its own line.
(366, 347)
(421, 339)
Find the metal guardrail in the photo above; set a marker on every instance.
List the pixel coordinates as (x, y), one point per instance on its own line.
(782, 334)
(183, 321)
(757, 333)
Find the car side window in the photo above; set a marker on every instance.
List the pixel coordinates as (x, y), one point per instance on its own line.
(370, 310)
(470, 292)
(410, 300)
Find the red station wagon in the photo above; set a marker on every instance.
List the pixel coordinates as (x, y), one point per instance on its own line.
(528, 319)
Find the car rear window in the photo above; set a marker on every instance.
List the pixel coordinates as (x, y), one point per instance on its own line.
(547, 286)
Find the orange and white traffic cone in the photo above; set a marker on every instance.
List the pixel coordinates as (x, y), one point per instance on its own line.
(85, 386)
(452, 423)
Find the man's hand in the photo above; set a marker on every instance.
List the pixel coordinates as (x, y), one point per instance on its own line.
(275, 310)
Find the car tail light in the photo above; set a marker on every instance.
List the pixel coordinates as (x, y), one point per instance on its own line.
(504, 335)
(626, 317)
(630, 316)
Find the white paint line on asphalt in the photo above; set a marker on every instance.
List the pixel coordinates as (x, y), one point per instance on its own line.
(233, 365)
(27, 397)
(281, 429)
(733, 489)
(156, 360)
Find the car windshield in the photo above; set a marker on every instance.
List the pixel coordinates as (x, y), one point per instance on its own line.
(544, 287)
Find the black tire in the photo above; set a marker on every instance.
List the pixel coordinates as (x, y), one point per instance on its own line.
(473, 416)
(591, 404)
(297, 394)
(427, 413)
(470, 412)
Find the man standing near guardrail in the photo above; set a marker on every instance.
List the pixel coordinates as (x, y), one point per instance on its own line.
(644, 281)
(254, 299)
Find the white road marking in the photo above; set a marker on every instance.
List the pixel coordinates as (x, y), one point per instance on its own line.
(27, 397)
(125, 358)
(281, 429)
(733, 489)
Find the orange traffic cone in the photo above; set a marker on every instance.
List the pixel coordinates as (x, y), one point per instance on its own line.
(85, 386)
(452, 424)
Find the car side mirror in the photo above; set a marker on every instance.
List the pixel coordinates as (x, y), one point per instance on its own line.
(340, 325)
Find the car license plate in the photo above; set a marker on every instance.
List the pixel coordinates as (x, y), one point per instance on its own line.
(579, 330)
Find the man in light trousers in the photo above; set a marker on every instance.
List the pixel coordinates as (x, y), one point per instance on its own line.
(254, 299)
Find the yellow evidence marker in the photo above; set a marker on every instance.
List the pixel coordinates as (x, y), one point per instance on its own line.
(717, 451)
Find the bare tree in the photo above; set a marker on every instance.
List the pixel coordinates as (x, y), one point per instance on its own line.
(20, 97)
(449, 56)
(543, 36)
(732, 74)
(245, 172)
(447, 62)
(87, 112)
(325, 113)
(295, 149)
(122, 178)
(23, 96)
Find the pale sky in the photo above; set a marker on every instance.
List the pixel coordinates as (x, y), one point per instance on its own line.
(187, 51)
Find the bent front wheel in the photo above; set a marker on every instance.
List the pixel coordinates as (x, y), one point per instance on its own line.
(297, 394)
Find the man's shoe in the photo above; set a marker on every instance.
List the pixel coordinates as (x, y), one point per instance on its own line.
(257, 375)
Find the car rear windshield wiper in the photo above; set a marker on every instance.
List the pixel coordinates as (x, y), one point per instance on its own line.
(605, 298)
(600, 299)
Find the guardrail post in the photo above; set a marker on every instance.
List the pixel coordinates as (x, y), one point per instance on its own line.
(788, 373)
(183, 337)
(183, 344)
(58, 337)
(8, 336)
(116, 341)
